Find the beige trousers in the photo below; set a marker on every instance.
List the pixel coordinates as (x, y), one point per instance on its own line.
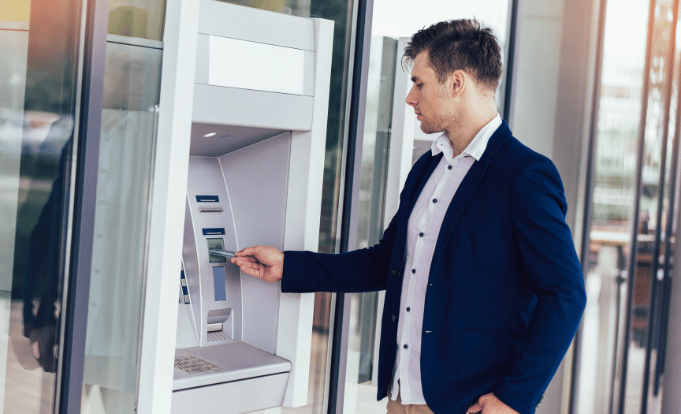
(396, 407)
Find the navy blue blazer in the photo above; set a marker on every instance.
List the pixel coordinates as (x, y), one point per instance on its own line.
(505, 291)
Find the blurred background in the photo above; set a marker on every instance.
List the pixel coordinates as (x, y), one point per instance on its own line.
(592, 84)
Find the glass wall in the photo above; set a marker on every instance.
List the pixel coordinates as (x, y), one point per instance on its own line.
(392, 20)
(38, 78)
(128, 132)
(630, 222)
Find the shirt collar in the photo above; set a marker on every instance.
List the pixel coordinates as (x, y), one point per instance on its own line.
(476, 147)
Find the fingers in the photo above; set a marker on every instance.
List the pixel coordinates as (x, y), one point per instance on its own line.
(252, 268)
(267, 255)
(248, 265)
(475, 408)
(264, 262)
(490, 404)
(249, 251)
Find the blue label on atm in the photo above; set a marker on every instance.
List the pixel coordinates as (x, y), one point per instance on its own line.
(207, 199)
(213, 232)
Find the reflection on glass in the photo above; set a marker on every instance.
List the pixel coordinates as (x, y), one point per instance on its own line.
(37, 79)
(131, 90)
(644, 313)
(137, 18)
(613, 311)
(614, 165)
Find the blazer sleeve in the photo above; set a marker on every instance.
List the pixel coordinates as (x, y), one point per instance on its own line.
(357, 271)
(361, 270)
(550, 263)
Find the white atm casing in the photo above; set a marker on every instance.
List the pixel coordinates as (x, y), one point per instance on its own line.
(257, 141)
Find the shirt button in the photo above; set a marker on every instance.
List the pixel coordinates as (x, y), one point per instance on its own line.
(421, 234)
(406, 346)
(413, 270)
(435, 200)
(408, 308)
(449, 167)
(394, 318)
(396, 273)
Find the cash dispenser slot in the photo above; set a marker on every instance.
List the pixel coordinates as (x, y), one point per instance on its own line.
(219, 326)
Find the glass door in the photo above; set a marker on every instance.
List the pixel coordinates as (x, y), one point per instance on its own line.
(38, 89)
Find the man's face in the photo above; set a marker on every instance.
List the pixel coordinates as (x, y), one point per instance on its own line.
(432, 100)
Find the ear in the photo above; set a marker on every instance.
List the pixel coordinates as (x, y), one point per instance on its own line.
(458, 81)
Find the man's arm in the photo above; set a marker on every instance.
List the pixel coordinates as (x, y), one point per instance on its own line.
(544, 243)
(357, 271)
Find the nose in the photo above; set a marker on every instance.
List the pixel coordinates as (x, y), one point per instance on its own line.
(411, 98)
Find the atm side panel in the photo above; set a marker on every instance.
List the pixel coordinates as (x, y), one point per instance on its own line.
(257, 178)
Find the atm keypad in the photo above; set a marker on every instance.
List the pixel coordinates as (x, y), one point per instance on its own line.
(193, 365)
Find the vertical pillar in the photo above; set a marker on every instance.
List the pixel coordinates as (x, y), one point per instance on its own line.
(671, 403)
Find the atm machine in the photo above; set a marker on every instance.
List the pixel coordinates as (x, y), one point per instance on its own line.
(255, 177)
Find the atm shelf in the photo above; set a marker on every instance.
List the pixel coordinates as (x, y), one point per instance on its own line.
(235, 361)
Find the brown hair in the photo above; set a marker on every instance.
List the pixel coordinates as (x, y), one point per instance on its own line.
(458, 44)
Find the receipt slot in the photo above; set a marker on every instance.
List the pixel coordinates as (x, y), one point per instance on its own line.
(259, 113)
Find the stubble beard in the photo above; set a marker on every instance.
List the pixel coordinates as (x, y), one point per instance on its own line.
(431, 128)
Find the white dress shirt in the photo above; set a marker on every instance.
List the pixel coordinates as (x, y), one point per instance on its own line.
(423, 230)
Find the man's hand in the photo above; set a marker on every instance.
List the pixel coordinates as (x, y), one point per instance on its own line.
(264, 262)
(490, 404)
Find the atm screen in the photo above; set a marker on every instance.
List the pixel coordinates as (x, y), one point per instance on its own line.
(216, 244)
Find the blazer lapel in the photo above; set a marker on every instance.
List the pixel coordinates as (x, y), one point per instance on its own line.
(421, 180)
(467, 187)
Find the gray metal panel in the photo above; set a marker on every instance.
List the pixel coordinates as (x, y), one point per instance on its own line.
(256, 25)
(227, 138)
(237, 361)
(202, 60)
(186, 327)
(234, 397)
(205, 178)
(190, 262)
(309, 74)
(232, 106)
(257, 178)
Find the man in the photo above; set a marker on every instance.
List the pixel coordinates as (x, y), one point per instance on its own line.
(484, 290)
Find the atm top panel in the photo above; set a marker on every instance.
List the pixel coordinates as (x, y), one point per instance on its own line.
(256, 25)
(214, 140)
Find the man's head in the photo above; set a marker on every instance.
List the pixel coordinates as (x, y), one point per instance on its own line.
(455, 67)
(459, 45)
